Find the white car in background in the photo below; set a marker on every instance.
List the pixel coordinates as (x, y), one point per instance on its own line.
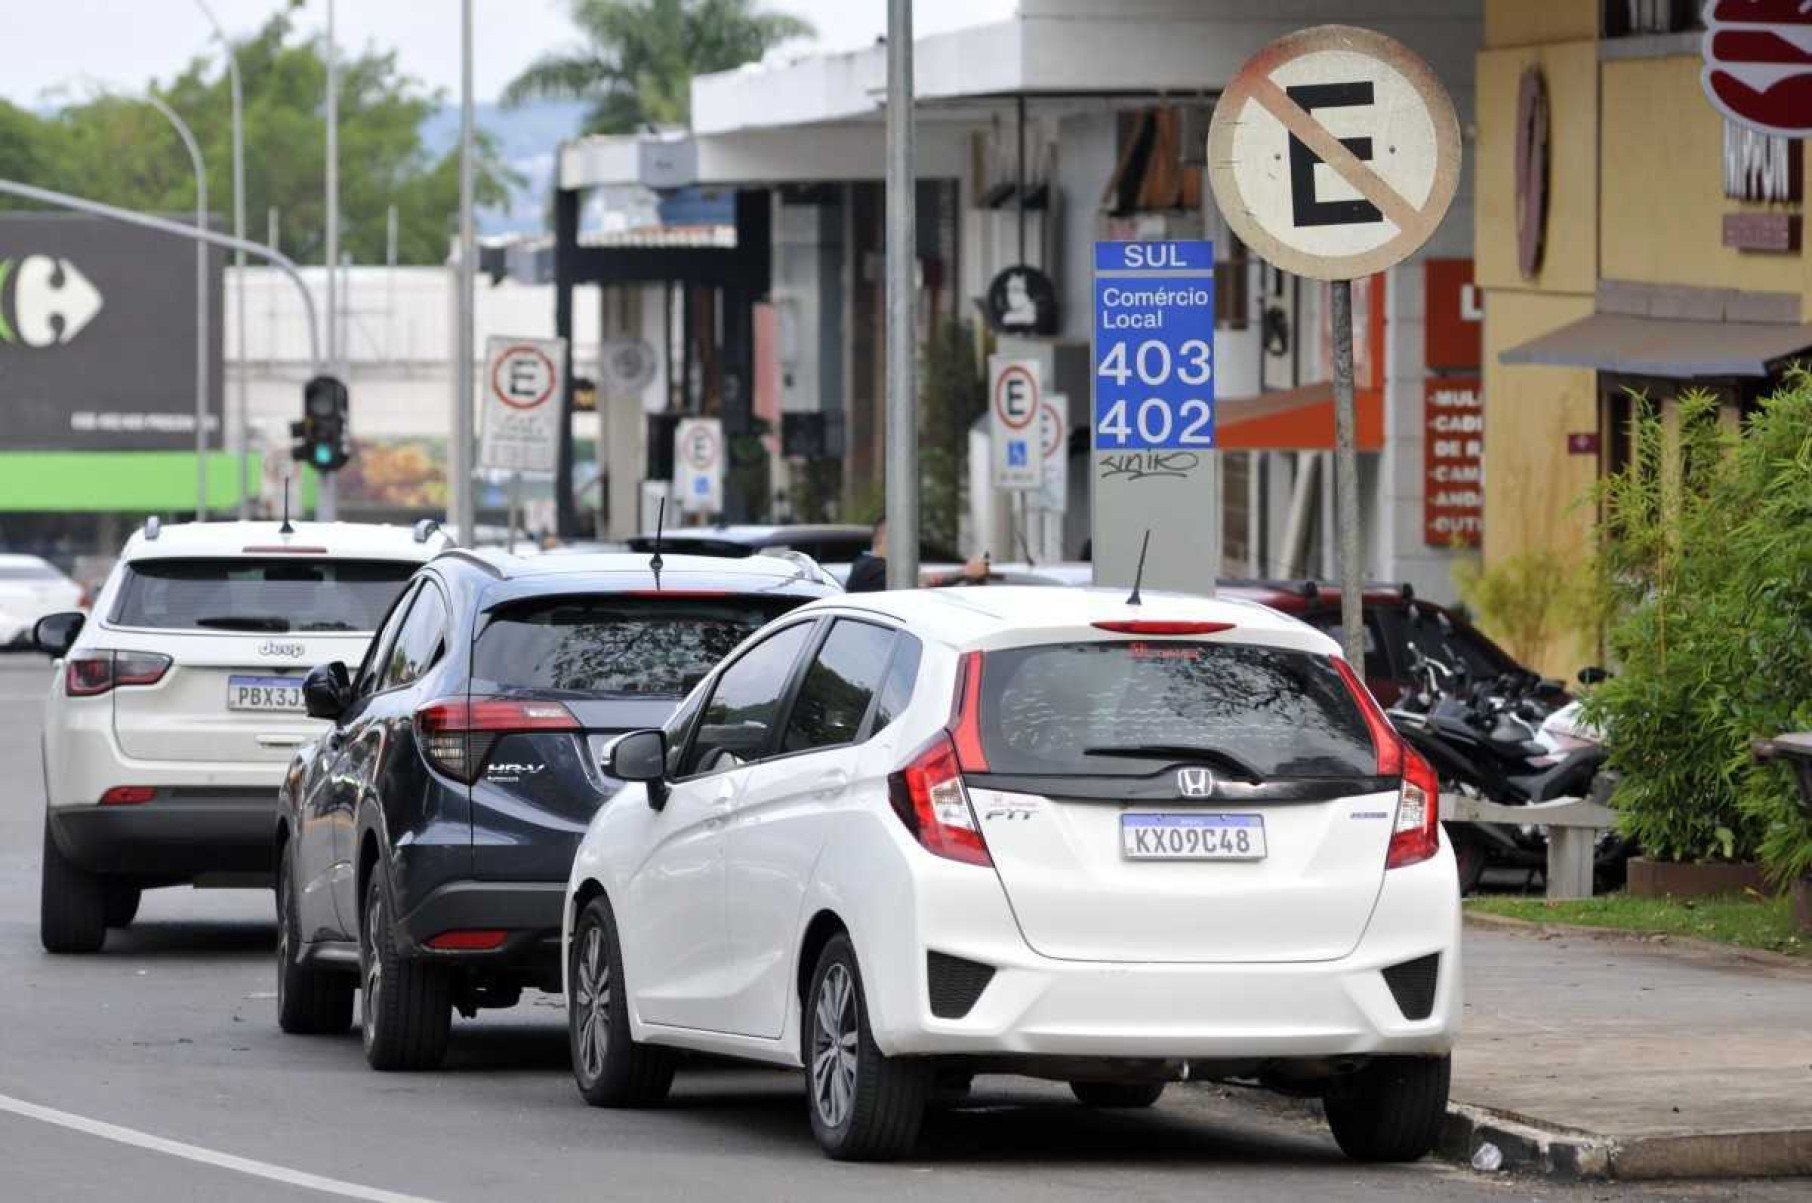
(176, 709)
(30, 588)
(902, 838)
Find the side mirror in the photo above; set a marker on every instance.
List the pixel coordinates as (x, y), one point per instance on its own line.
(55, 634)
(327, 691)
(641, 756)
(1591, 674)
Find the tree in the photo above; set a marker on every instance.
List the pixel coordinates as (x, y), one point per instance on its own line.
(639, 57)
(121, 151)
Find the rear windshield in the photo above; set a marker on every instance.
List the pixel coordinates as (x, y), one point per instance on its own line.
(1128, 709)
(287, 594)
(615, 646)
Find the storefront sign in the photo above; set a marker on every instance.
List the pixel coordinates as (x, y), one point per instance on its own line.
(1531, 172)
(1453, 462)
(1758, 64)
(1582, 442)
(97, 336)
(1454, 316)
(1774, 232)
(1022, 300)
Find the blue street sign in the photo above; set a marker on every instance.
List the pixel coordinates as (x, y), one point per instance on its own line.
(1154, 346)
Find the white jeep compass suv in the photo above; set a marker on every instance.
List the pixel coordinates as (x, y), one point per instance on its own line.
(176, 708)
(902, 838)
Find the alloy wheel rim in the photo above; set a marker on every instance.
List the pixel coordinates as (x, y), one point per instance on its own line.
(834, 1040)
(374, 969)
(591, 1005)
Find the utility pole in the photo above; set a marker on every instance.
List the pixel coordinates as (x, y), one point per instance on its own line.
(201, 302)
(464, 511)
(243, 406)
(902, 331)
(327, 501)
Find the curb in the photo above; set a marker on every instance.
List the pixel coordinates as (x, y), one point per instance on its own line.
(1657, 942)
(1569, 1156)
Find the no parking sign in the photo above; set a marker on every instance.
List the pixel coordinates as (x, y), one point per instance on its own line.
(698, 465)
(1015, 388)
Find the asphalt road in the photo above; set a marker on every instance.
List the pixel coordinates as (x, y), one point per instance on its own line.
(156, 1070)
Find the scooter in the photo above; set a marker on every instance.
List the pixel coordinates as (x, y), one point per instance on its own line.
(1505, 741)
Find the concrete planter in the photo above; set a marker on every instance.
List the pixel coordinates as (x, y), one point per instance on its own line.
(1675, 879)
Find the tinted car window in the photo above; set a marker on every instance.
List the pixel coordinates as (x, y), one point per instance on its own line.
(838, 687)
(420, 641)
(1098, 709)
(744, 703)
(902, 675)
(288, 594)
(1377, 666)
(613, 645)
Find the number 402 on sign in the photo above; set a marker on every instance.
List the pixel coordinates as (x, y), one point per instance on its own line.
(1151, 394)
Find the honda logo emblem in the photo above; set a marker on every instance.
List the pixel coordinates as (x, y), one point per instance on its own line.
(1195, 783)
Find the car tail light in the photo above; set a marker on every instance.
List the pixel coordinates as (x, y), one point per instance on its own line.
(457, 734)
(469, 940)
(1416, 835)
(965, 715)
(1151, 627)
(128, 795)
(1385, 739)
(931, 799)
(93, 673)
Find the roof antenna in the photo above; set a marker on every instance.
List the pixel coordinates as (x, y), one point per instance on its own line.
(1139, 576)
(655, 563)
(286, 528)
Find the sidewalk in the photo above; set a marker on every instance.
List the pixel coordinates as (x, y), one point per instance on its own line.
(1630, 1059)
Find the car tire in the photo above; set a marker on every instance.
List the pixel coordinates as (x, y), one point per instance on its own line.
(609, 1067)
(120, 902)
(1118, 1095)
(864, 1106)
(1391, 1110)
(72, 903)
(1469, 857)
(310, 1001)
(405, 1005)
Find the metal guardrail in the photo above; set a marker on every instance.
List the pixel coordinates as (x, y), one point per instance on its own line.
(1573, 827)
(1795, 747)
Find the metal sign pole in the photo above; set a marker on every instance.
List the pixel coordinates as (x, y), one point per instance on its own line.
(459, 471)
(902, 336)
(1346, 473)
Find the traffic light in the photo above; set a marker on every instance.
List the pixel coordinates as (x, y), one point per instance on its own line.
(320, 437)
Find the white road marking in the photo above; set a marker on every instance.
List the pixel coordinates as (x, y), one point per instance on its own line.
(225, 1161)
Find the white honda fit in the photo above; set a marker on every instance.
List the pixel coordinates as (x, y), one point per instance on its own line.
(901, 838)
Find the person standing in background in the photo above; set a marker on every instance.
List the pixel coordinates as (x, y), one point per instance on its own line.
(869, 572)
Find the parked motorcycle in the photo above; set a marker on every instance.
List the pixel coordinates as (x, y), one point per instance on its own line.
(1512, 740)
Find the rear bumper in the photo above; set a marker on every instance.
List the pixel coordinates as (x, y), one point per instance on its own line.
(1034, 1005)
(528, 910)
(183, 834)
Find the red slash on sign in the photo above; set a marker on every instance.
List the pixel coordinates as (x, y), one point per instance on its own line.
(1334, 152)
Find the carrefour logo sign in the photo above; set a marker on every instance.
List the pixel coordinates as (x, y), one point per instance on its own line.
(51, 301)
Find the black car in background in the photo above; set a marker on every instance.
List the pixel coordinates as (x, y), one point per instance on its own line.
(423, 844)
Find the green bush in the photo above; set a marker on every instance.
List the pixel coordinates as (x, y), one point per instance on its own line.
(1705, 559)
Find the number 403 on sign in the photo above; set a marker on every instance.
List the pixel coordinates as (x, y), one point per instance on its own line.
(1151, 395)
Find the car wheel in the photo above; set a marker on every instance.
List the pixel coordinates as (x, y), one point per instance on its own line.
(405, 1005)
(310, 1001)
(72, 903)
(864, 1106)
(1118, 1095)
(1391, 1110)
(1469, 858)
(611, 1069)
(120, 902)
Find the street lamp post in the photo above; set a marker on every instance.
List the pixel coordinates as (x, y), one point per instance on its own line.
(464, 510)
(201, 302)
(243, 405)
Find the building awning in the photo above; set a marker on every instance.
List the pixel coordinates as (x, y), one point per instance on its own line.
(1297, 419)
(1651, 346)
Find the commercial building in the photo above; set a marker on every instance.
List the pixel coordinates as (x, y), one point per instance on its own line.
(1074, 120)
(1633, 241)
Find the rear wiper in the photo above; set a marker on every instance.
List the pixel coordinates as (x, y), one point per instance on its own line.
(244, 622)
(1225, 760)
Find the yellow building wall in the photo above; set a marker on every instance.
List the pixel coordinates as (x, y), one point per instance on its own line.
(1524, 22)
(1570, 257)
(1663, 186)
